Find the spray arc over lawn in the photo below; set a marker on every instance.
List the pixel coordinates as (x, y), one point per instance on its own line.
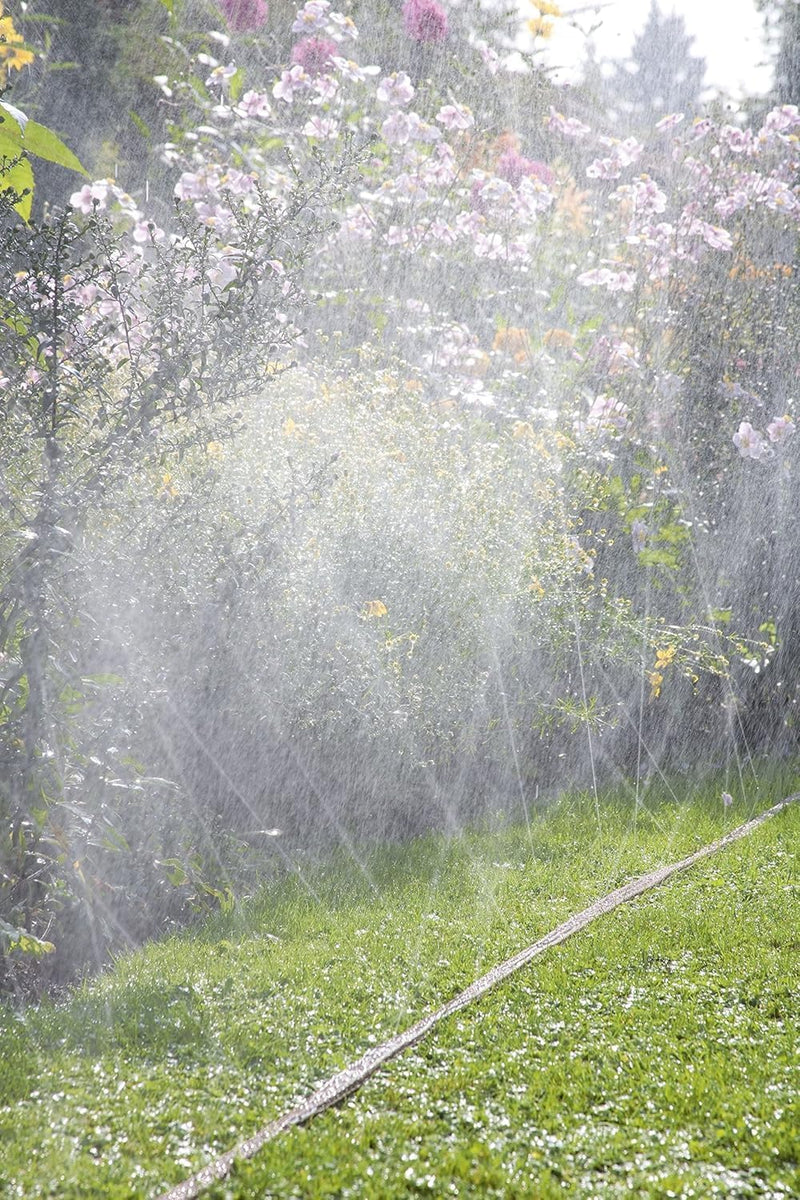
(403, 442)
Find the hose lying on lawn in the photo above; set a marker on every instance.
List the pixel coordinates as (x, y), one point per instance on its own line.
(340, 1085)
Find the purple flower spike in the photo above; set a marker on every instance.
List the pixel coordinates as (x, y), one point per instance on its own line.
(425, 20)
(314, 54)
(243, 16)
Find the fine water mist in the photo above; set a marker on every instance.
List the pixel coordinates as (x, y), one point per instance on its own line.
(401, 441)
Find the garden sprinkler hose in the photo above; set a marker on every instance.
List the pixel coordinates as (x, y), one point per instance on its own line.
(337, 1087)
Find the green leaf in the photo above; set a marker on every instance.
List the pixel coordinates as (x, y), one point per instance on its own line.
(13, 319)
(13, 938)
(174, 871)
(674, 533)
(143, 128)
(659, 558)
(11, 127)
(47, 145)
(19, 179)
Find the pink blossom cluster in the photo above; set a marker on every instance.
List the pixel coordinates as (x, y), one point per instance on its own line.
(752, 444)
(425, 20)
(435, 192)
(244, 16)
(621, 154)
(314, 54)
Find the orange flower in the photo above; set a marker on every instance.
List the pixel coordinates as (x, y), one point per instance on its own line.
(514, 341)
(560, 339)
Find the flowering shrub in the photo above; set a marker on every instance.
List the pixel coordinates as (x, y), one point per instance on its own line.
(504, 491)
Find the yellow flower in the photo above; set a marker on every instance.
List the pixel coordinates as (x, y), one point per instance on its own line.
(547, 8)
(291, 429)
(13, 53)
(664, 657)
(168, 488)
(375, 608)
(655, 679)
(539, 27)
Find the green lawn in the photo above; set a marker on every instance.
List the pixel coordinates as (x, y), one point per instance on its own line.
(655, 1053)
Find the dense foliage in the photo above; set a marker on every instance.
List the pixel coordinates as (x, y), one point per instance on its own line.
(410, 461)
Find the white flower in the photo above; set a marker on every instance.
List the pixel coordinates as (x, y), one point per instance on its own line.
(340, 26)
(321, 127)
(352, 71)
(669, 122)
(780, 429)
(311, 17)
(396, 89)
(224, 271)
(253, 104)
(220, 75)
(291, 81)
(749, 442)
(91, 196)
(455, 116)
(568, 126)
(144, 231)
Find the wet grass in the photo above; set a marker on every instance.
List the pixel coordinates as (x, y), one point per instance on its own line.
(653, 1054)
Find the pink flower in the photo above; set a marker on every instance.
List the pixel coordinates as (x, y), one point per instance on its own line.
(253, 104)
(781, 429)
(314, 54)
(608, 414)
(425, 20)
(321, 127)
(568, 126)
(713, 235)
(244, 15)
(613, 281)
(396, 89)
(738, 141)
(782, 119)
(291, 81)
(514, 167)
(312, 16)
(669, 122)
(748, 441)
(90, 196)
(455, 116)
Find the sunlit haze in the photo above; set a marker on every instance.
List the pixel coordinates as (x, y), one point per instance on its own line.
(728, 34)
